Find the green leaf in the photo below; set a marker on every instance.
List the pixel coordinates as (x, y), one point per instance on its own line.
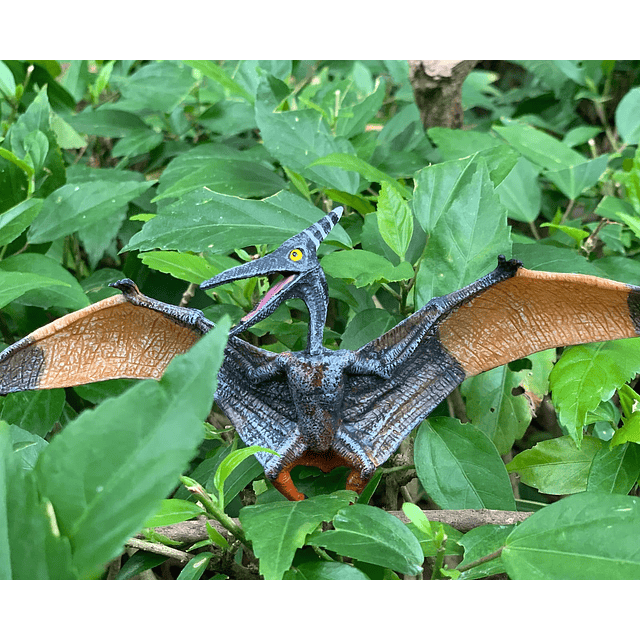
(7, 82)
(495, 410)
(213, 71)
(51, 171)
(395, 220)
(206, 221)
(586, 375)
(540, 147)
(573, 180)
(107, 123)
(139, 562)
(460, 468)
(366, 326)
(172, 511)
(629, 432)
(543, 257)
(66, 135)
(364, 268)
(137, 143)
(27, 447)
(350, 162)
(151, 432)
(196, 567)
(14, 284)
(627, 118)
(297, 138)
(615, 470)
(34, 411)
(31, 547)
(430, 547)
(320, 570)
(520, 192)
(456, 203)
(186, 266)
(218, 168)
(479, 543)
(589, 536)
(372, 535)
(557, 466)
(14, 221)
(59, 287)
(459, 143)
(77, 206)
(156, 86)
(229, 464)
(277, 529)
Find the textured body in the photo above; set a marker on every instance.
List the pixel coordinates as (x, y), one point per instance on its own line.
(321, 407)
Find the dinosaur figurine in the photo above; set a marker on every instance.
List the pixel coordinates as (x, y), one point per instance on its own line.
(320, 407)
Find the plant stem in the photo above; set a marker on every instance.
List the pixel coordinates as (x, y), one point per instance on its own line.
(479, 561)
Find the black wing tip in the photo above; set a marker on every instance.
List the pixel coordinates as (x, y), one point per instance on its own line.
(508, 266)
(127, 286)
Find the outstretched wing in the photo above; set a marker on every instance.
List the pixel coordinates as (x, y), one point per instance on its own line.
(125, 336)
(508, 314)
(262, 412)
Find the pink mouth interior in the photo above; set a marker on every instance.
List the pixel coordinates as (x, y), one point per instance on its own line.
(272, 292)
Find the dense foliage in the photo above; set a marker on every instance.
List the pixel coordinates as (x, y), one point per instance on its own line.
(170, 172)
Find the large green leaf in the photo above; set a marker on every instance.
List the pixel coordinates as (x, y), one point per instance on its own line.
(77, 206)
(627, 118)
(156, 86)
(557, 466)
(460, 468)
(615, 469)
(493, 407)
(364, 268)
(17, 219)
(573, 180)
(34, 411)
(66, 292)
(31, 546)
(480, 543)
(395, 220)
(277, 529)
(372, 535)
(589, 536)
(27, 446)
(186, 266)
(297, 138)
(520, 192)
(151, 432)
(107, 122)
(13, 284)
(456, 203)
(218, 168)
(586, 375)
(321, 570)
(540, 147)
(206, 221)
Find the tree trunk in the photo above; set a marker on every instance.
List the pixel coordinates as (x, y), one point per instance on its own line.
(437, 86)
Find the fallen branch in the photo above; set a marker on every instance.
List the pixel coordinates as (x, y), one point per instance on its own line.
(461, 519)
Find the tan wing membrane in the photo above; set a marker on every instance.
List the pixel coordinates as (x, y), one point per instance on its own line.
(537, 310)
(110, 339)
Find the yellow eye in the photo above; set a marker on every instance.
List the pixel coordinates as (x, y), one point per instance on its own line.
(295, 255)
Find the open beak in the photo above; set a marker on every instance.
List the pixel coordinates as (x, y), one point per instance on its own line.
(272, 299)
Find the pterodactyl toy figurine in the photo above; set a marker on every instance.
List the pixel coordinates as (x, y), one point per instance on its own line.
(320, 407)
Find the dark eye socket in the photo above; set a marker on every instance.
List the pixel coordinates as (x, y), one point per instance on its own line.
(295, 255)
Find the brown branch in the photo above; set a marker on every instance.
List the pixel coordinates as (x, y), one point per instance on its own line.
(461, 519)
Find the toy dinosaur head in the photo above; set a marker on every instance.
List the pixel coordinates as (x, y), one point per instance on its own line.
(296, 260)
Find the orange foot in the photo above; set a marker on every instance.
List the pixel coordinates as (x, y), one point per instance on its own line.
(325, 462)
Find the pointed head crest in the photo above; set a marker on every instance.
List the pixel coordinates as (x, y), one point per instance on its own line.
(318, 231)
